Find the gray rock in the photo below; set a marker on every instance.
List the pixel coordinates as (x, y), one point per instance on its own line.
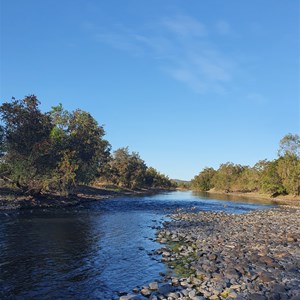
(256, 296)
(129, 297)
(153, 286)
(192, 293)
(145, 292)
(166, 289)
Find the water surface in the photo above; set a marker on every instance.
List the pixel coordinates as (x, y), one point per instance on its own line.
(94, 251)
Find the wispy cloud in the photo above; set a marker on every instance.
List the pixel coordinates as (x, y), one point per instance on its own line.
(185, 26)
(182, 47)
(256, 98)
(223, 27)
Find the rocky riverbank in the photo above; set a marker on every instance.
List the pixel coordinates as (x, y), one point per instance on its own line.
(253, 256)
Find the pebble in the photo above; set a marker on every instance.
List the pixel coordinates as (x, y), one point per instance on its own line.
(254, 256)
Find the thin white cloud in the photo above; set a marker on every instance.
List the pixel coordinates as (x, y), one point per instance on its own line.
(182, 48)
(185, 26)
(117, 41)
(256, 98)
(223, 27)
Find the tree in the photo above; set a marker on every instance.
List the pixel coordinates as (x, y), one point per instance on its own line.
(288, 163)
(27, 142)
(226, 176)
(289, 146)
(80, 149)
(204, 180)
(154, 179)
(270, 181)
(128, 169)
(51, 151)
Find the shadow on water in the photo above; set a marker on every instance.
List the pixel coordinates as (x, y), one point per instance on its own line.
(90, 252)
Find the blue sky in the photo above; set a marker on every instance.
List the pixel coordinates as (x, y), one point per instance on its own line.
(187, 84)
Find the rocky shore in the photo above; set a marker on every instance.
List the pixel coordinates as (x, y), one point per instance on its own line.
(253, 256)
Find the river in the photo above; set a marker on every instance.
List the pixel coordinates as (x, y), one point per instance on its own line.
(92, 251)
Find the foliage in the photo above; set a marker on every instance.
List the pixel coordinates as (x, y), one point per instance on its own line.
(27, 143)
(289, 163)
(154, 179)
(270, 181)
(289, 146)
(2, 144)
(204, 180)
(51, 151)
(280, 176)
(127, 169)
(226, 176)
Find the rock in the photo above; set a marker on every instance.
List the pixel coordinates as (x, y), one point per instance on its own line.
(153, 286)
(129, 297)
(232, 295)
(279, 288)
(166, 254)
(192, 293)
(175, 281)
(266, 277)
(235, 287)
(256, 296)
(166, 289)
(212, 257)
(172, 296)
(145, 292)
(231, 273)
(253, 255)
(136, 290)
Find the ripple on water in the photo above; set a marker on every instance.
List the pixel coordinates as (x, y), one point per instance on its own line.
(93, 252)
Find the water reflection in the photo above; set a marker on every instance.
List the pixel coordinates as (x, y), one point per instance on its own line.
(229, 197)
(41, 249)
(92, 252)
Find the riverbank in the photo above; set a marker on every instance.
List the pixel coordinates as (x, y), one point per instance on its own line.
(254, 256)
(11, 199)
(279, 200)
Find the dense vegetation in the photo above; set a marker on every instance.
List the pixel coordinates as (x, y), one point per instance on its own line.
(57, 150)
(278, 177)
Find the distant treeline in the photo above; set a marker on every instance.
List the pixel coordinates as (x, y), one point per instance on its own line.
(278, 177)
(57, 150)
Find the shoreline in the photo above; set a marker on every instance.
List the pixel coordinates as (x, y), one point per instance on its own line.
(279, 200)
(216, 255)
(12, 200)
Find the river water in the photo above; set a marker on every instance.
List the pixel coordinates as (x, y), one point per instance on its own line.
(93, 251)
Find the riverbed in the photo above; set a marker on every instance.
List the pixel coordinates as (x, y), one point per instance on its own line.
(93, 251)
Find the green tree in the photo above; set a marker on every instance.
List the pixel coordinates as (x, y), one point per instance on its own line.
(248, 180)
(270, 181)
(289, 146)
(81, 151)
(226, 176)
(27, 143)
(127, 169)
(288, 163)
(204, 180)
(51, 151)
(154, 179)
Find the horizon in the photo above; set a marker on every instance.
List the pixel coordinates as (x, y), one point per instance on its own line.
(185, 86)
